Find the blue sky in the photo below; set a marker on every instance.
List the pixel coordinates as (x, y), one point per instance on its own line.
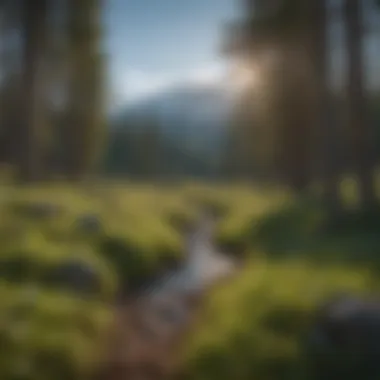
(153, 43)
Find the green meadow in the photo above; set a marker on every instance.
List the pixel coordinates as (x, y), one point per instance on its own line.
(125, 233)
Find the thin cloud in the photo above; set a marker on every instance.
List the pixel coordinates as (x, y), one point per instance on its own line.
(211, 74)
(135, 85)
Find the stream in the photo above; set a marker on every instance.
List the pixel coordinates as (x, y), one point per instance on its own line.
(203, 264)
(151, 328)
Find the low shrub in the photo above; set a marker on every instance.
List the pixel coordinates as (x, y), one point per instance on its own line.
(255, 328)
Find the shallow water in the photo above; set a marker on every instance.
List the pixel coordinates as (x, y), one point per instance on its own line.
(203, 265)
(157, 320)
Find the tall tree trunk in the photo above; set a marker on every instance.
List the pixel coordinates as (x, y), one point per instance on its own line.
(357, 105)
(85, 112)
(293, 114)
(28, 140)
(327, 133)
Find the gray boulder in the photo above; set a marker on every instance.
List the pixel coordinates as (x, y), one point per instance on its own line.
(345, 339)
(76, 276)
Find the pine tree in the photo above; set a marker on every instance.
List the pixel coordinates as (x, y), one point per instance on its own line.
(326, 126)
(85, 113)
(28, 140)
(359, 124)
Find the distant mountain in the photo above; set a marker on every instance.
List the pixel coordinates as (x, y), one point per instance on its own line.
(192, 113)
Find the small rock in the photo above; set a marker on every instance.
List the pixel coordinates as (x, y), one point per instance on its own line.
(89, 223)
(78, 276)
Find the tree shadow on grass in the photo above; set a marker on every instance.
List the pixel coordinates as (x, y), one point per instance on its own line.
(306, 229)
